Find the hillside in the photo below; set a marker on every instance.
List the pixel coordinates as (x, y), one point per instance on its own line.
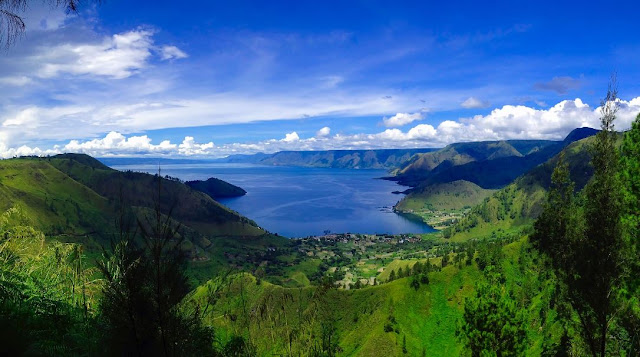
(390, 319)
(519, 203)
(76, 198)
(440, 203)
(490, 165)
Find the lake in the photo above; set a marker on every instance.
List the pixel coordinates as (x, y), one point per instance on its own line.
(300, 201)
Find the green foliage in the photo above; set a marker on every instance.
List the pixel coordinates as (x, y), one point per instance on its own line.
(46, 293)
(493, 323)
(144, 288)
(630, 179)
(584, 237)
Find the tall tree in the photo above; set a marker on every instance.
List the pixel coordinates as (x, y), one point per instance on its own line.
(601, 249)
(585, 241)
(630, 177)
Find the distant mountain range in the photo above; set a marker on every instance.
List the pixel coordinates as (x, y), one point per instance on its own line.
(344, 159)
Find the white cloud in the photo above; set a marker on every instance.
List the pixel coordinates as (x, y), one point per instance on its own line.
(115, 142)
(189, 147)
(171, 52)
(118, 56)
(291, 137)
(401, 119)
(507, 122)
(473, 102)
(324, 132)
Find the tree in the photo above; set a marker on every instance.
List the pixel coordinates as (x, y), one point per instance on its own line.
(493, 324)
(584, 240)
(630, 179)
(11, 23)
(392, 276)
(601, 249)
(415, 283)
(552, 227)
(145, 285)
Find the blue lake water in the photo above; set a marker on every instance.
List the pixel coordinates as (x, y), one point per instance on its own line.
(299, 202)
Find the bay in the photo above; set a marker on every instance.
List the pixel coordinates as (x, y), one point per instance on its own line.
(301, 201)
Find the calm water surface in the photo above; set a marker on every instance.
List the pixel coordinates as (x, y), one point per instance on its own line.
(298, 202)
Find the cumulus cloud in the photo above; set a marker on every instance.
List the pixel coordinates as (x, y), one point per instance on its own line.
(473, 102)
(172, 52)
(324, 132)
(560, 85)
(291, 137)
(401, 119)
(115, 142)
(189, 147)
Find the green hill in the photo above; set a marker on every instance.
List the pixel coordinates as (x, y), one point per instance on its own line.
(439, 204)
(390, 319)
(519, 203)
(490, 165)
(76, 198)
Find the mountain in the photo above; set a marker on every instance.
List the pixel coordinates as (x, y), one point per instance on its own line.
(76, 198)
(216, 188)
(344, 159)
(490, 165)
(519, 203)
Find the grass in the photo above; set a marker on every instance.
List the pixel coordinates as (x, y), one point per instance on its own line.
(427, 317)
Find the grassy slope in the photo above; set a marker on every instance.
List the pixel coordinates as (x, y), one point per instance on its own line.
(56, 204)
(73, 198)
(519, 204)
(446, 196)
(426, 317)
(193, 208)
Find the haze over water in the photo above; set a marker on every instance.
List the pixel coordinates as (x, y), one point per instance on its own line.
(299, 202)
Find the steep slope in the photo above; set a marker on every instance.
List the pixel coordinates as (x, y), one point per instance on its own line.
(460, 161)
(55, 203)
(195, 209)
(490, 165)
(518, 204)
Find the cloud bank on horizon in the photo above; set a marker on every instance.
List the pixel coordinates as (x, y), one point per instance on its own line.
(508, 122)
(107, 85)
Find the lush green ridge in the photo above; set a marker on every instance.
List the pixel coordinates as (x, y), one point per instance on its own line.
(520, 203)
(440, 204)
(491, 164)
(75, 198)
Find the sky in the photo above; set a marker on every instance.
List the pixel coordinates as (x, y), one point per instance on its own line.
(207, 79)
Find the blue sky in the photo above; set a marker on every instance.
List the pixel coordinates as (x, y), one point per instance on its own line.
(208, 79)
